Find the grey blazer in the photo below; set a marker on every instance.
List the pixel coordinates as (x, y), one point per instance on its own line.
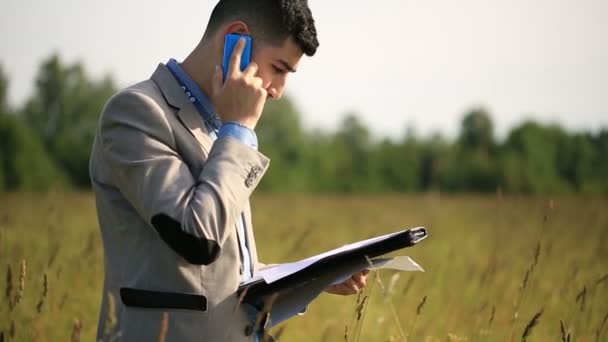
(167, 201)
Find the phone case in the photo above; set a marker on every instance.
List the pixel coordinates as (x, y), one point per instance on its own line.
(230, 42)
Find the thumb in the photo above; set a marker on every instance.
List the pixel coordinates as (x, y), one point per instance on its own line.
(217, 81)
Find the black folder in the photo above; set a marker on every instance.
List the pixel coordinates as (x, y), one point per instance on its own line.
(254, 292)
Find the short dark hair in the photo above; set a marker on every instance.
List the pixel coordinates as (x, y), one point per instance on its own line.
(270, 20)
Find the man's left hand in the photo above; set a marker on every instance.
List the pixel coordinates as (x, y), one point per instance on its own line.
(352, 285)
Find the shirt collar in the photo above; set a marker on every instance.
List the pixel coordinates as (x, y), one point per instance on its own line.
(195, 94)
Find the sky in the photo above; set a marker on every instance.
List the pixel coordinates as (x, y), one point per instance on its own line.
(396, 63)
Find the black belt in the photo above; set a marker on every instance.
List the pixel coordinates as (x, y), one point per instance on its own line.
(162, 300)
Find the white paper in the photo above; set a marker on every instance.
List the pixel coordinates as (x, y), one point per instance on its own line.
(276, 272)
(399, 263)
(295, 301)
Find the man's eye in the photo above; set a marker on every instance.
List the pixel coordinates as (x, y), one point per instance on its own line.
(277, 70)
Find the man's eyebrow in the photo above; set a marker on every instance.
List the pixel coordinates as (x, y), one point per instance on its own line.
(287, 66)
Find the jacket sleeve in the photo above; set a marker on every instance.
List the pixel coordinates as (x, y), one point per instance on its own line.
(193, 214)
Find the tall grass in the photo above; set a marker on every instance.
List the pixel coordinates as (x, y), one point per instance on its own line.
(497, 268)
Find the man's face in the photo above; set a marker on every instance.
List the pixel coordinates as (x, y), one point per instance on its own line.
(275, 63)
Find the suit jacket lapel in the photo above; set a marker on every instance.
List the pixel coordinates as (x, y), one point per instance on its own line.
(186, 111)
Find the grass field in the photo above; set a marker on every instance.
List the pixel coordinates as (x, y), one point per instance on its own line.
(492, 264)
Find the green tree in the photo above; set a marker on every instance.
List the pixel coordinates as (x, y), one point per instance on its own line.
(470, 164)
(398, 165)
(434, 162)
(575, 156)
(281, 138)
(530, 162)
(352, 154)
(477, 130)
(600, 164)
(3, 113)
(24, 164)
(3, 92)
(64, 111)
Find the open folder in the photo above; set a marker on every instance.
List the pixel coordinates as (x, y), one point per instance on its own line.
(293, 286)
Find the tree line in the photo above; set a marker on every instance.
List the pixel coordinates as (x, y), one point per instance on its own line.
(45, 144)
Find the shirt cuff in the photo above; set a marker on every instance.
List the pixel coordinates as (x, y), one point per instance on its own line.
(240, 132)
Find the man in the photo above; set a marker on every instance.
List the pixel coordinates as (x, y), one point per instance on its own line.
(173, 165)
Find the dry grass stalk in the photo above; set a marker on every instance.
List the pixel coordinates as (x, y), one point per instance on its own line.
(547, 209)
(536, 256)
(352, 320)
(392, 284)
(420, 306)
(12, 331)
(530, 326)
(564, 331)
(602, 279)
(418, 312)
(491, 320)
(526, 280)
(76, 330)
(45, 289)
(91, 244)
(360, 307)
(598, 333)
(346, 333)
(356, 322)
(53, 256)
(63, 300)
(483, 306)
(21, 289)
(164, 327)
(580, 297)
(297, 242)
(391, 307)
(408, 285)
(532, 266)
(526, 277)
(9, 286)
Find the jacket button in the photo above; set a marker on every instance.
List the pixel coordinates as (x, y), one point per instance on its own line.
(248, 330)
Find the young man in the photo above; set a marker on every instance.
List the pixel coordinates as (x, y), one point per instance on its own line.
(173, 165)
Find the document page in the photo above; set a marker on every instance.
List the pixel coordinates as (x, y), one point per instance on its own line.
(276, 272)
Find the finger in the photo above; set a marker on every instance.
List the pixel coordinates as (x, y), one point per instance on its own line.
(341, 289)
(359, 280)
(252, 69)
(352, 285)
(258, 82)
(336, 289)
(235, 58)
(217, 81)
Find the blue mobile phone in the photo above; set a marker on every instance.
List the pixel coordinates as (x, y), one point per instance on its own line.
(229, 43)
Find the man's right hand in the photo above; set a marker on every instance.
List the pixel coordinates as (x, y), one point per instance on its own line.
(241, 97)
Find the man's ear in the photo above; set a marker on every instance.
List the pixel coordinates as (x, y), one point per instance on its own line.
(236, 27)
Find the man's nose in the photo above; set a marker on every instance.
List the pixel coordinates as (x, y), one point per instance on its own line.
(273, 93)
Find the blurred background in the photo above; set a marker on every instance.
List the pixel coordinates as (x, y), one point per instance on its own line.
(485, 120)
(407, 96)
